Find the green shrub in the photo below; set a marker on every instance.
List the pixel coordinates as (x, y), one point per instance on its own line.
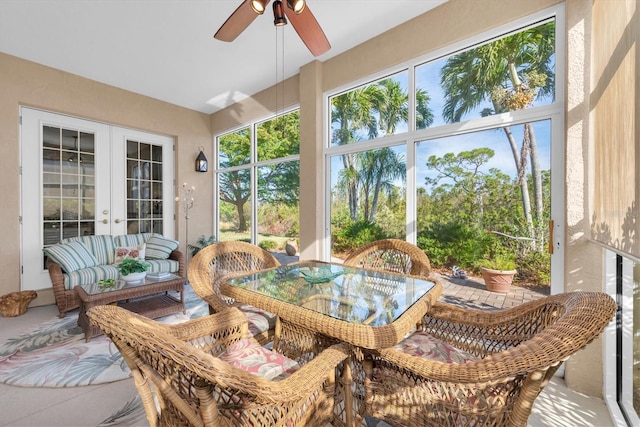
(355, 234)
(535, 267)
(268, 245)
(448, 244)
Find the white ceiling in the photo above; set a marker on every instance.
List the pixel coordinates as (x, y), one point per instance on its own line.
(165, 48)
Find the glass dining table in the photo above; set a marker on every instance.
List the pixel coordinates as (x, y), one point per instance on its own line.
(369, 309)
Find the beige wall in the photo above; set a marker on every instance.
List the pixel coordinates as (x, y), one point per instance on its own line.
(30, 84)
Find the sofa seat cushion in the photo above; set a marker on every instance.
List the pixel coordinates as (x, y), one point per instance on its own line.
(102, 272)
(90, 275)
(71, 256)
(102, 247)
(249, 356)
(162, 265)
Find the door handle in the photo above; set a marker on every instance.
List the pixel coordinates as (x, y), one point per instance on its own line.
(117, 221)
(105, 221)
(550, 247)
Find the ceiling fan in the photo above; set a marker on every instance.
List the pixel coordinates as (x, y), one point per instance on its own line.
(296, 11)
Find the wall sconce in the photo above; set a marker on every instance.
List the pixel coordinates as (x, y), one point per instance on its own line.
(201, 162)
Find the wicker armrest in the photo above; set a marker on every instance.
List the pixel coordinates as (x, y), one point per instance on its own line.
(179, 256)
(207, 333)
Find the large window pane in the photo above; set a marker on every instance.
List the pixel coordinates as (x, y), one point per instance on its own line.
(511, 73)
(487, 181)
(279, 137)
(370, 111)
(235, 205)
(234, 149)
(368, 199)
(243, 156)
(278, 204)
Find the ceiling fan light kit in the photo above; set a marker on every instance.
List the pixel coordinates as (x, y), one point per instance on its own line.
(259, 6)
(296, 12)
(278, 14)
(296, 5)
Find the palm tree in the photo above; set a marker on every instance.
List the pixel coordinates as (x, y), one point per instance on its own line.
(352, 111)
(510, 73)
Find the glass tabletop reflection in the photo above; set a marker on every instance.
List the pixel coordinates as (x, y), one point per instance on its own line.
(354, 295)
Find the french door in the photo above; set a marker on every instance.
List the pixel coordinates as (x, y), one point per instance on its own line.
(82, 178)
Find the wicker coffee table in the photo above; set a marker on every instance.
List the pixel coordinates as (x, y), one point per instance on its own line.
(149, 298)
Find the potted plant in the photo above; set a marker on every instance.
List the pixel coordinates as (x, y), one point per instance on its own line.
(498, 272)
(132, 270)
(201, 243)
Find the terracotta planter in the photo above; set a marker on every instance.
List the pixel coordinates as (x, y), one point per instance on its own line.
(498, 280)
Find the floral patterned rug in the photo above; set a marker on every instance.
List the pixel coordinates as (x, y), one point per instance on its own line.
(55, 354)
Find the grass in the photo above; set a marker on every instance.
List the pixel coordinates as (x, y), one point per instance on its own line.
(230, 235)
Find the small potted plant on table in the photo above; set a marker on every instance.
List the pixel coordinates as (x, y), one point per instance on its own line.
(132, 270)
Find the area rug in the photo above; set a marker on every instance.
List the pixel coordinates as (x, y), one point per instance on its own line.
(55, 354)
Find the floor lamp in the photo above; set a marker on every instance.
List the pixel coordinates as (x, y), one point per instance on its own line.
(185, 198)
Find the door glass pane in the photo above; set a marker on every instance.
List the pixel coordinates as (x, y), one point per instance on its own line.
(486, 195)
(144, 187)
(235, 205)
(368, 199)
(68, 184)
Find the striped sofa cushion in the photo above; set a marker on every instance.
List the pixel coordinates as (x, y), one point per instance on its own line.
(159, 247)
(102, 246)
(90, 275)
(71, 256)
(162, 265)
(126, 240)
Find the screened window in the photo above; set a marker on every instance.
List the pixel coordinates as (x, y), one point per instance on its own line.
(258, 182)
(417, 173)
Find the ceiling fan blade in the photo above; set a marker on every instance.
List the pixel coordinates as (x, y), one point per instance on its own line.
(309, 30)
(237, 22)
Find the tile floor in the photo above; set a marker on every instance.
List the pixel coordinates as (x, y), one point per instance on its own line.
(91, 405)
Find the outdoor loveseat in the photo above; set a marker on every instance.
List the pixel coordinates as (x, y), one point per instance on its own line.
(88, 259)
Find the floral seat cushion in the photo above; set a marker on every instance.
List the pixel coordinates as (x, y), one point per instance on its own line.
(421, 344)
(259, 320)
(251, 357)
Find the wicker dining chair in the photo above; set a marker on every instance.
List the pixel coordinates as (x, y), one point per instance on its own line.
(216, 260)
(206, 372)
(392, 255)
(469, 367)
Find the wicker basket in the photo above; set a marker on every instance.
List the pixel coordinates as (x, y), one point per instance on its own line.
(16, 303)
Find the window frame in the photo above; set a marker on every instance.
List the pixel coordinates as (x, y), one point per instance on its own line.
(253, 166)
(553, 111)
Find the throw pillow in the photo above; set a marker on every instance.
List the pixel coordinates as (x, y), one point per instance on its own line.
(71, 256)
(135, 252)
(160, 247)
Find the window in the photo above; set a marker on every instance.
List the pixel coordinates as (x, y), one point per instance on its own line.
(450, 147)
(258, 182)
